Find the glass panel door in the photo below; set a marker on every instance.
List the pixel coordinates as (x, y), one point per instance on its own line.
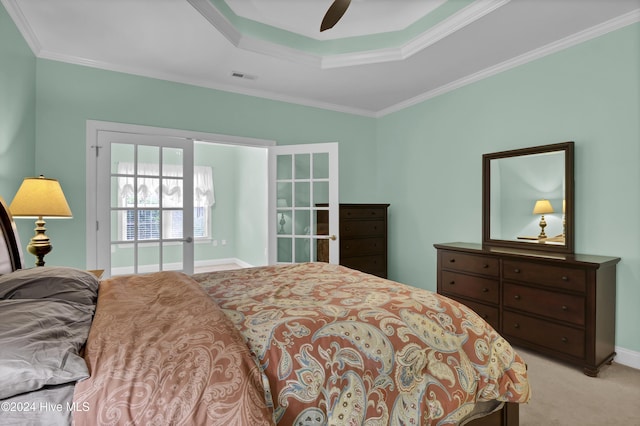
(146, 223)
(304, 191)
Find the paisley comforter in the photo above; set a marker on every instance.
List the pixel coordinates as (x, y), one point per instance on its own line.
(160, 352)
(337, 346)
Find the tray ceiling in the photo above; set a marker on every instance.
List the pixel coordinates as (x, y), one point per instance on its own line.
(383, 55)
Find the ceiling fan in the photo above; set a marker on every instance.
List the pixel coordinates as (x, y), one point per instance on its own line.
(334, 13)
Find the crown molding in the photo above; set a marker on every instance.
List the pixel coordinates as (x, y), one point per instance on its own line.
(218, 20)
(21, 22)
(456, 22)
(572, 40)
(247, 91)
(567, 42)
(449, 25)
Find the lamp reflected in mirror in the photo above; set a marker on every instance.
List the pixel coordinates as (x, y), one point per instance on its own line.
(542, 207)
(282, 203)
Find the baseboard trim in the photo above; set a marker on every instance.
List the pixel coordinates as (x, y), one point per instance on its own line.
(627, 357)
(216, 262)
(176, 266)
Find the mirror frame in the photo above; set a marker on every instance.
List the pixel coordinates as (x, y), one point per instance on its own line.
(568, 247)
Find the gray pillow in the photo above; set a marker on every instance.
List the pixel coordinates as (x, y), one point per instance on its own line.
(40, 342)
(50, 282)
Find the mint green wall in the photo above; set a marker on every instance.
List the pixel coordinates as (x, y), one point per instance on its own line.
(68, 95)
(429, 158)
(222, 160)
(424, 160)
(17, 112)
(239, 215)
(252, 198)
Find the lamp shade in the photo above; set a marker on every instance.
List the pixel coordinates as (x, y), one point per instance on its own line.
(542, 207)
(40, 197)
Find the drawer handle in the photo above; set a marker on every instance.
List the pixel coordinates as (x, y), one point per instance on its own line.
(452, 261)
(485, 290)
(516, 270)
(565, 308)
(565, 278)
(516, 325)
(517, 297)
(347, 247)
(485, 266)
(452, 282)
(564, 340)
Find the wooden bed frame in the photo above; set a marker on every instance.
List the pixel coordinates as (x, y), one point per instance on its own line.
(10, 236)
(508, 415)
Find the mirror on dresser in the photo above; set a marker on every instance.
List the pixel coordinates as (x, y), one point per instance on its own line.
(528, 198)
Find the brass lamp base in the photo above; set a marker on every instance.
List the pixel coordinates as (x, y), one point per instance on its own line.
(39, 245)
(543, 224)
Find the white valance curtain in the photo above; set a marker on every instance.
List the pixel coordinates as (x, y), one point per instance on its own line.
(149, 185)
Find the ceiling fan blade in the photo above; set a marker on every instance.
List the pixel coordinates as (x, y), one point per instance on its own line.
(334, 13)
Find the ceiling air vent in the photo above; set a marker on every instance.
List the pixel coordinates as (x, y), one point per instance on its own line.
(238, 74)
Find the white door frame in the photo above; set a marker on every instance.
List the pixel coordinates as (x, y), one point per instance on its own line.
(93, 127)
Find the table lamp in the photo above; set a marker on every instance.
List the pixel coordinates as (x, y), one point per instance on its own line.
(40, 197)
(542, 207)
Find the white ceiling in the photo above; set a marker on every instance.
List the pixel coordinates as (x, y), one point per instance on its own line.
(188, 41)
(363, 18)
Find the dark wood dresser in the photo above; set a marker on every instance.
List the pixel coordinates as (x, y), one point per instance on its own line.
(562, 305)
(363, 237)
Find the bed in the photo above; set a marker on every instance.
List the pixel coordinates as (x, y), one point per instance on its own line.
(304, 344)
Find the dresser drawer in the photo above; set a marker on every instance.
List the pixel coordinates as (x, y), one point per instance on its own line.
(488, 313)
(351, 228)
(563, 307)
(376, 264)
(560, 338)
(469, 263)
(362, 212)
(361, 246)
(482, 289)
(553, 276)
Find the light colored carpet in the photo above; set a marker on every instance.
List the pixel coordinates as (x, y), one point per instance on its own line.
(562, 395)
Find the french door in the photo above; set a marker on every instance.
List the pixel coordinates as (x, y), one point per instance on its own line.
(144, 203)
(139, 218)
(303, 197)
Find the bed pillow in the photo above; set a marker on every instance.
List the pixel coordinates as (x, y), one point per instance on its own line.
(40, 342)
(50, 282)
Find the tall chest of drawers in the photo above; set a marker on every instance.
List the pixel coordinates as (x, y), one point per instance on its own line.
(363, 237)
(559, 305)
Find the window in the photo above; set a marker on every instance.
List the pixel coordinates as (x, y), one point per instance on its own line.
(150, 186)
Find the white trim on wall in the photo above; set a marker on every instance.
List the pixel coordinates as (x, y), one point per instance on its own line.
(570, 41)
(565, 43)
(198, 264)
(627, 357)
